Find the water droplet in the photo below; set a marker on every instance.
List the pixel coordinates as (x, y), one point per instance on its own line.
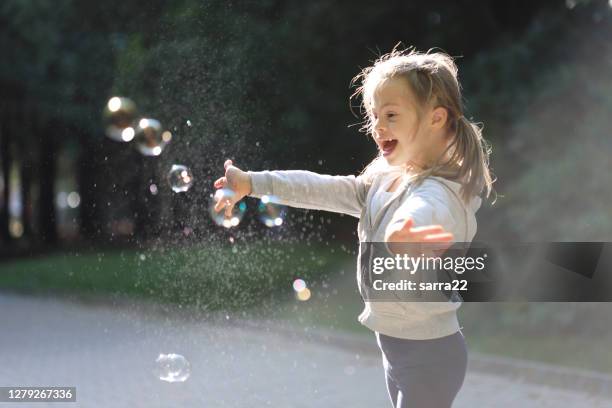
(180, 178)
(172, 367)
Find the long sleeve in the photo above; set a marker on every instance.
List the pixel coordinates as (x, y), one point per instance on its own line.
(429, 204)
(306, 189)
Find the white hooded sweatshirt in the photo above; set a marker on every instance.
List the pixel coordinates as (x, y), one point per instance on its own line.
(434, 201)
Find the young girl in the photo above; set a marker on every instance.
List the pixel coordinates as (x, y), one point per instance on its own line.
(423, 186)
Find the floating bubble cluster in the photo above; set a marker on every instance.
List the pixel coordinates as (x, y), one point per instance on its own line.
(150, 138)
(172, 368)
(224, 218)
(180, 178)
(122, 125)
(270, 211)
(119, 116)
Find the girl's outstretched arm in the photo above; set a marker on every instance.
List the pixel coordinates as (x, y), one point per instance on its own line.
(298, 188)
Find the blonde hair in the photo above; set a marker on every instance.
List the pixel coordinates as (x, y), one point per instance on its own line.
(432, 77)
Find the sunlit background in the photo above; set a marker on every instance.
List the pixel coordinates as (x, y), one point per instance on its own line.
(116, 118)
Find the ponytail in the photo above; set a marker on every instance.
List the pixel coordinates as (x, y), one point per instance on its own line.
(469, 161)
(473, 151)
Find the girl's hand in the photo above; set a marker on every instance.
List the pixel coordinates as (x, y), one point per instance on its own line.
(236, 180)
(435, 238)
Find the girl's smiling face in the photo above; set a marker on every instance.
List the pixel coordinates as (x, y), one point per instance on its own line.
(396, 125)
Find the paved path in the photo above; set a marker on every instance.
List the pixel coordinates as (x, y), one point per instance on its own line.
(108, 353)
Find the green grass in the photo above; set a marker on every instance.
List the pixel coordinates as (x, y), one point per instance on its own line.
(228, 277)
(257, 279)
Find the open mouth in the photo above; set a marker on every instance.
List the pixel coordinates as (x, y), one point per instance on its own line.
(388, 146)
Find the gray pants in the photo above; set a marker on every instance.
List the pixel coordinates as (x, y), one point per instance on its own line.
(423, 373)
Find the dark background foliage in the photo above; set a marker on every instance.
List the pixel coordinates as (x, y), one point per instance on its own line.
(267, 84)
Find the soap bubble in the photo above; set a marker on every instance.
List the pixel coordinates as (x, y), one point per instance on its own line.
(172, 367)
(271, 212)
(303, 295)
(149, 137)
(119, 116)
(299, 285)
(180, 178)
(220, 218)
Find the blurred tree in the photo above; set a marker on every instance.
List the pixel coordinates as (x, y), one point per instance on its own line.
(5, 159)
(61, 65)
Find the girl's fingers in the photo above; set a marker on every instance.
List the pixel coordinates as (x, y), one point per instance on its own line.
(407, 224)
(427, 229)
(222, 201)
(442, 237)
(440, 243)
(220, 182)
(225, 203)
(415, 234)
(219, 205)
(228, 209)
